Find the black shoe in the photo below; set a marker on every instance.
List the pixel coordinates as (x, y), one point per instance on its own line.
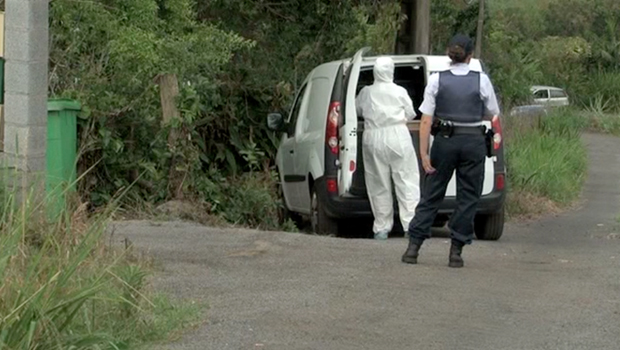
(455, 255)
(411, 255)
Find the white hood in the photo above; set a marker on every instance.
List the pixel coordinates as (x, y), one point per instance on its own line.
(384, 103)
(384, 70)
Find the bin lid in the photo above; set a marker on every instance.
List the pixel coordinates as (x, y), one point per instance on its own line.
(60, 104)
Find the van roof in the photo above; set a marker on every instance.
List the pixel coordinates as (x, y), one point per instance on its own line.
(434, 63)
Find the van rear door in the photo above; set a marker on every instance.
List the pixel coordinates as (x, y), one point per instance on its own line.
(348, 129)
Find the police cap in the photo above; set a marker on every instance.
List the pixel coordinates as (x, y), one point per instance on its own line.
(462, 41)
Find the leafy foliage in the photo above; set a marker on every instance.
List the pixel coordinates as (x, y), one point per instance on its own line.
(572, 43)
(106, 54)
(235, 61)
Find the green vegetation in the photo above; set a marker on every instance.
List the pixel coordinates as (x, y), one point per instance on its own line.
(547, 164)
(63, 288)
(573, 44)
(235, 61)
(248, 200)
(238, 60)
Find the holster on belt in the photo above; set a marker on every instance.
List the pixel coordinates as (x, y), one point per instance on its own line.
(443, 128)
(488, 136)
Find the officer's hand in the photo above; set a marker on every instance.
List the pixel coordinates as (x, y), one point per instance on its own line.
(426, 164)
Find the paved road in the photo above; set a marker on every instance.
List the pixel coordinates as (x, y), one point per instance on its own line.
(550, 284)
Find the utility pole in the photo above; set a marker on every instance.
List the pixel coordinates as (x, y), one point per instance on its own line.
(414, 35)
(479, 30)
(25, 105)
(422, 27)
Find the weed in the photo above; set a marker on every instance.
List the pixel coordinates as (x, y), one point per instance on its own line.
(251, 200)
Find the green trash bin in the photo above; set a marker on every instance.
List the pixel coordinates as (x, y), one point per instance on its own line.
(61, 153)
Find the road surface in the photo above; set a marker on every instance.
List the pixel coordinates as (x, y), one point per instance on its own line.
(549, 284)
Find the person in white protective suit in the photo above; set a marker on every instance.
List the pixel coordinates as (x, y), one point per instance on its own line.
(388, 149)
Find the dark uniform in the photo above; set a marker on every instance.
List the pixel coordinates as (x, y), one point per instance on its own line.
(458, 99)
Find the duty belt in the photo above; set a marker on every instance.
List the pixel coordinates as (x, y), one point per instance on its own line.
(448, 129)
(468, 130)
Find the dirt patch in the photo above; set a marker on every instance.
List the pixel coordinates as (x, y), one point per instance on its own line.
(523, 206)
(193, 211)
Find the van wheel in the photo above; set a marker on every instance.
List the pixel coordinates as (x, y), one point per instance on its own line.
(321, 223)
(490, 227)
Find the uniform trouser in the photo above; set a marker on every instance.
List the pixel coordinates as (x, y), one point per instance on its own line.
(466, 154)
(389, 156)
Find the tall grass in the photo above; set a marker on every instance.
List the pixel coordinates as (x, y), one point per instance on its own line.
(64, 288)
(601, 89)
(600, 113)
(548, 161)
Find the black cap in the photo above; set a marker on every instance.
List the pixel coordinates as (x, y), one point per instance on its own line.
(462, 41)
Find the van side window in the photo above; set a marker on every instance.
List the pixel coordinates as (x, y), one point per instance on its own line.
(320, 94)
(558, 94)
(296, 109)
(541, 94)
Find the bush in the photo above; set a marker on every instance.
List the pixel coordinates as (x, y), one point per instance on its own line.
(250, 200)
(108, 54)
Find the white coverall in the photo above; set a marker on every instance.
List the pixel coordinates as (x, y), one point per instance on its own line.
(388, 148)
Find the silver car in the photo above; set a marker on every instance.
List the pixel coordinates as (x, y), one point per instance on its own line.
(550, 96)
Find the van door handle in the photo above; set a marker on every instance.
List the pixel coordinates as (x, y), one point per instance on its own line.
(291, 151)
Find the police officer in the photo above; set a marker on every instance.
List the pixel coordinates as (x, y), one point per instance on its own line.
(455, 103)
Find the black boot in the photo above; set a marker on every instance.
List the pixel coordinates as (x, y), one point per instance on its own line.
(411, 255)
(455, 255)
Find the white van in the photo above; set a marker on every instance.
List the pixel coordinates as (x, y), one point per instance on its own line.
(319, 159)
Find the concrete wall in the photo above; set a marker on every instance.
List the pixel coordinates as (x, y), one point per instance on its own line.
(26, 71)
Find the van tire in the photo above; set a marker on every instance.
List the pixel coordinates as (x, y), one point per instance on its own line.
(490, 227)
(321, 223)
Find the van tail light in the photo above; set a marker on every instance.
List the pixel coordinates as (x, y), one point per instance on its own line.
(332, 186)
(497, 128)
(331, 133)
(500, 181)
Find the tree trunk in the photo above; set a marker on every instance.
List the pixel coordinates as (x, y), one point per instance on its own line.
(479, 30)
(169, 91)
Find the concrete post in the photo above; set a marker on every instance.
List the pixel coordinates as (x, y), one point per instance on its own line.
(27, 55)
